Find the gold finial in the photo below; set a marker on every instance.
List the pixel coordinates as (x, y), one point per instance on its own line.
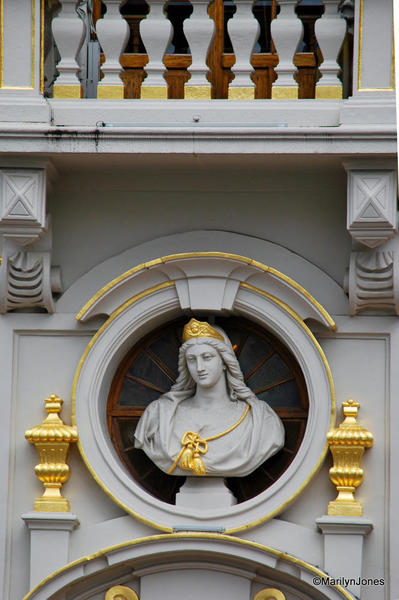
(347, 444)
(269, 594)
(52, 439)
(121, 592)
(200, 329)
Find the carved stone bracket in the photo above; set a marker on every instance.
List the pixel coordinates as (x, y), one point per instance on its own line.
(22, 204)
(373, 282)
(372, 199)
(27, 279)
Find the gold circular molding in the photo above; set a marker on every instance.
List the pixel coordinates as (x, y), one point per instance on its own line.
(145, 293)
(216, 537)
(121, 592)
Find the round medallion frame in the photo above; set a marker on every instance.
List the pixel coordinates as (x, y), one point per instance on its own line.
(251, 290)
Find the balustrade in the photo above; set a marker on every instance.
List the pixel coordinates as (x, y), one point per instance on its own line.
(249, 49)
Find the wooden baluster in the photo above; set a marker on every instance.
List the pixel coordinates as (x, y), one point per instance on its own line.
(330, 32)
(69, 32)
(244, 31)
(156, 33)
(287, 33)
(199, 30)
(113, 34)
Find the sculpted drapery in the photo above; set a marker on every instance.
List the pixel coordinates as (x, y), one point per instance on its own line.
(210, 422)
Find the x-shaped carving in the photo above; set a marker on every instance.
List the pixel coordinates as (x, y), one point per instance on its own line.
(371, 196)
(18, 194)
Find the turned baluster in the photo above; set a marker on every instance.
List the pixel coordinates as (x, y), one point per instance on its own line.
(244, 31)
(199, 30)
(330, 32)
(156, 33)
(113, 34)
(287, 34)
(69, 32)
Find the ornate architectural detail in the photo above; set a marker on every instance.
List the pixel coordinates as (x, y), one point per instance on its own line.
(121, 592)
(269, 594)
(198, 329)
(371, 283)
(199, 30)
(372, 217)
(330, 32)
(244, 31)
(68, 31)
(156, 33)
(287, 34)
(347, 444)
(27, 278)
(113, 34)
(23, 204)
(52, 439)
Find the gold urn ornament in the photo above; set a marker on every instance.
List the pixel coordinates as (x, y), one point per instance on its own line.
(347, 443)
(52, 439)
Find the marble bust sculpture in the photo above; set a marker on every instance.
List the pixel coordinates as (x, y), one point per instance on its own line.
(210, 422)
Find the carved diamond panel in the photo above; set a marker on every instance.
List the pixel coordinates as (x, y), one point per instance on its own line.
(23, 203)
(372, 216)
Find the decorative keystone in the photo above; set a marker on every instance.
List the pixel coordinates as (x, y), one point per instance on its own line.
(347, 444)
(52, 439)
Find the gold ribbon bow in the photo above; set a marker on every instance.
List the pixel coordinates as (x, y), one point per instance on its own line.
(189, 456)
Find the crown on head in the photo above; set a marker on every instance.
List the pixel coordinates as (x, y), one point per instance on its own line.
(200, 329)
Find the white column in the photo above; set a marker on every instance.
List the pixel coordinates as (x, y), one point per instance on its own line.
(21, 97)
(199, 30)
(330, 32)
(287, 34)
(244, 31)
(113, 34)
(343, 547)
(68, 31)
(156, 33)
(49, 542)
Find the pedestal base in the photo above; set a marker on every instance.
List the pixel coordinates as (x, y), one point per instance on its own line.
(205, 493)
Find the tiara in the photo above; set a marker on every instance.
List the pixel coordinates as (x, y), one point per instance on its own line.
(200, 329)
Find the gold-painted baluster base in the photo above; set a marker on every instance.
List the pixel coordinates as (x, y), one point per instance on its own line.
(154, 92)
(197, 92)
(241, 93)
(329, 92)
(110, 92)
(67, 91)
(285, 92)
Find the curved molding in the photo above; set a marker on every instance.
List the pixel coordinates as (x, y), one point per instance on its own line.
(190, 550)
(217, 283)
(318, 282)
(191, 271)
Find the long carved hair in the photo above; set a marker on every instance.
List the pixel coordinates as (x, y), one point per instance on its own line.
(234, 377)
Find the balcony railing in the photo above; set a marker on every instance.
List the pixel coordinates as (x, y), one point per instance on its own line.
(236, 49)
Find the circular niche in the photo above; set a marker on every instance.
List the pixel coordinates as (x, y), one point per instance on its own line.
(150, 368)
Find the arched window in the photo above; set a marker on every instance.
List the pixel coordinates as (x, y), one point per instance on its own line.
(150, 368)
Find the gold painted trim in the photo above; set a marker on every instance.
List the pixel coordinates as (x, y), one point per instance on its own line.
(192, 535)
(197, 92)
(285, 92)
(41, 75)
(237, 257)
(241, 93)
(110, 92)
(328, 92)
(151, 92)
(33, 50)
(113, 316)
(167, 284)
(67, 91)
(1, 42)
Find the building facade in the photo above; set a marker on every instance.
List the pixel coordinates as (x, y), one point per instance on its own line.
(232, 162)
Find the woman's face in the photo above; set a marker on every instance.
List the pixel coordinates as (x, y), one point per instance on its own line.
(204, 364)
